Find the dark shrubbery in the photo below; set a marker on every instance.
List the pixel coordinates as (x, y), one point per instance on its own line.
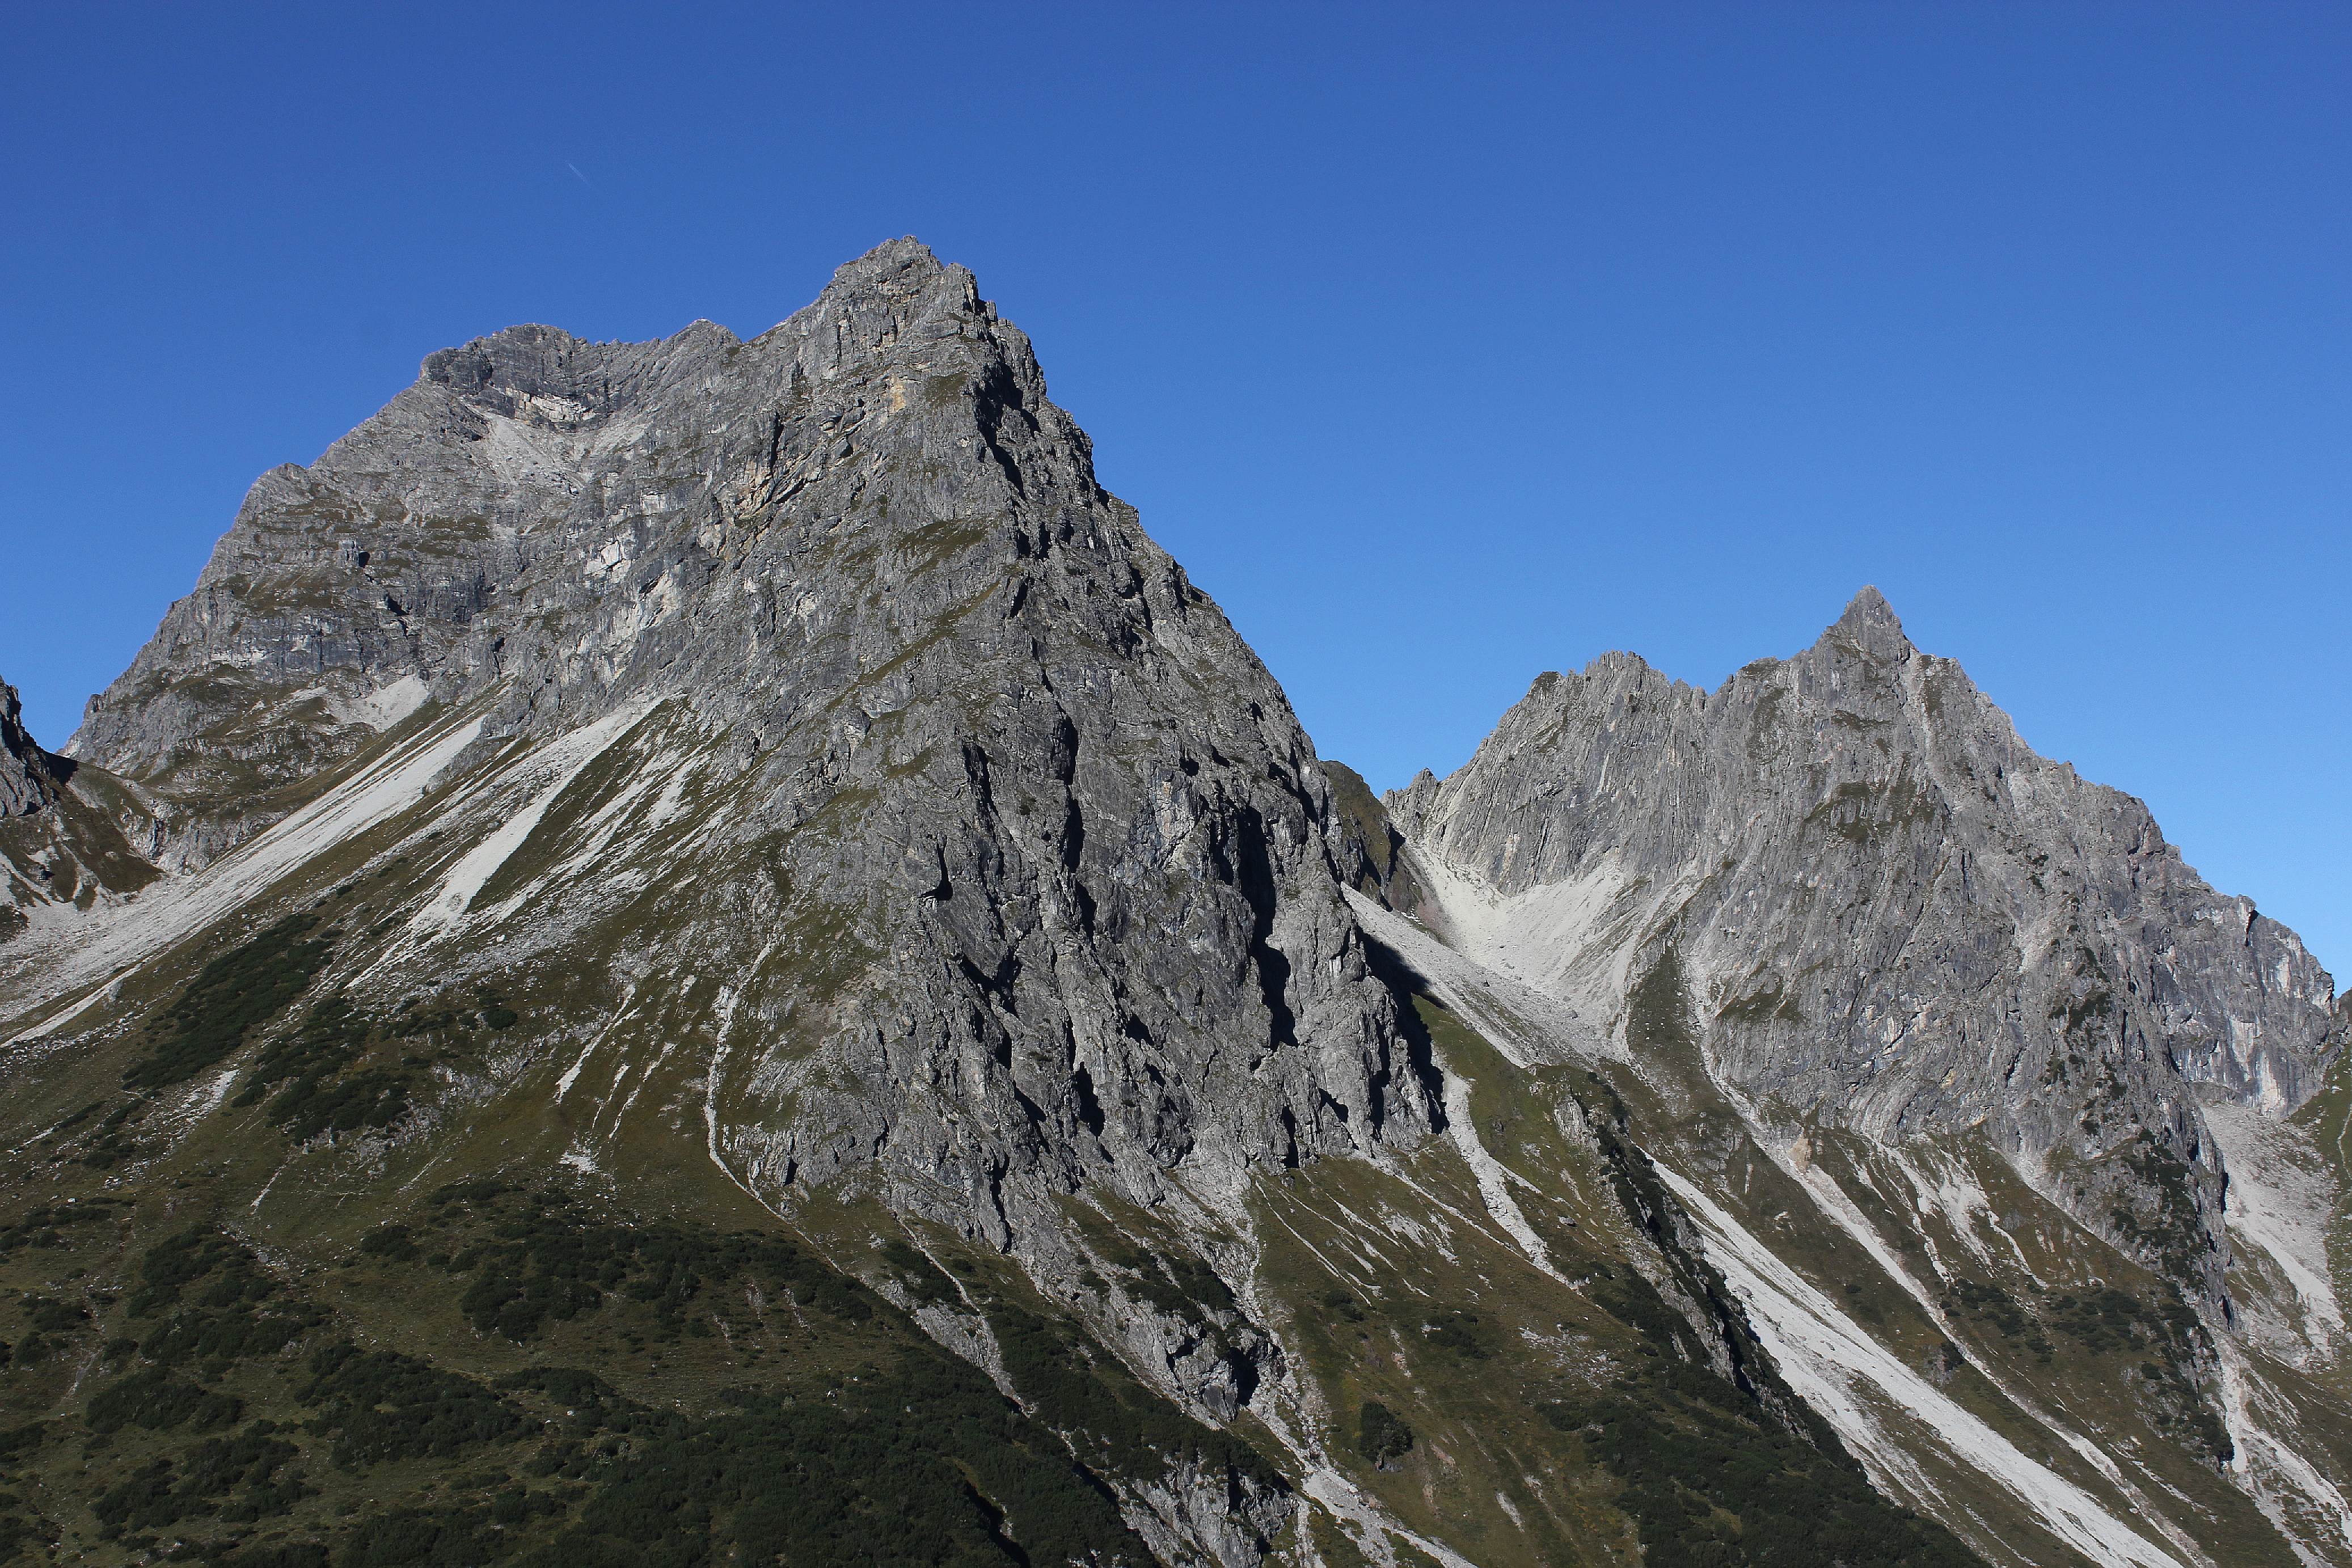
(323, 1092)
(1177, 1283)
(900, 1455)
(424, 1538)
(276, 1554)
(230, 997)
(152, 1398)
(382, 1404)
(1111, 1420)
(44, 1224)
(164, 1492)
(1711, 1483)
(923, 1280)
(393, 1243)
(921, 1465)
(1999, 1308)
(239, 1312)
(1461, 1333)
(1380, 1436)
(541, 1261)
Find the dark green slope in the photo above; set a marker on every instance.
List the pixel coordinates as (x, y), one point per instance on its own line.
(344, 1309)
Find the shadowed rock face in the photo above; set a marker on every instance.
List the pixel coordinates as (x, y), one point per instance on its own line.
(28, 776)
(67, 833)
(1022, 857)
(1893, 916)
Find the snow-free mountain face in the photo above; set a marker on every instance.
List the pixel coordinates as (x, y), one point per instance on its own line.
(1890, 916)
(1975, 1003)
(840, 620)
(724, 962)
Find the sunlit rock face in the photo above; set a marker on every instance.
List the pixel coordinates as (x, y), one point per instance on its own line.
(1889, 914)
(1008, 836)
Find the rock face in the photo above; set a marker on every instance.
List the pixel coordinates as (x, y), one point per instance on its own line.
(988, 752)
(27, 774)
(67, 835)
(1891, 917)
(711, 920)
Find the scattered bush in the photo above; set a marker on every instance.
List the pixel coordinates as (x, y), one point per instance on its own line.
(1380, 1436)
(231, 996)
(381, 1405)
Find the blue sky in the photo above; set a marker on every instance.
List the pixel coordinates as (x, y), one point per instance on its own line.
(1444, 346)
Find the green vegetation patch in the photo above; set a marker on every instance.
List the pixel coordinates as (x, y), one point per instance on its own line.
(254, 1429)
(253, 1465)
(1711, 1484)
(1462, 1334)
(44, 1225)
(918, 1463)
(919, 1274)
(151, 1398)
(223, 1306)
(2159, 1346)
(533, 1258)
(1381, 1436)
(231, 996)
(319, 1085)
(1177, 1283)
(381, 1405)
(213, 1307)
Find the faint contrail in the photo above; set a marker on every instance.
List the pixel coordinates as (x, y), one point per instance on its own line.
(579, 176)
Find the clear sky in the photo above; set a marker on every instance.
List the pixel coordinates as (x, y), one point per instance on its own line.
(1444, 345)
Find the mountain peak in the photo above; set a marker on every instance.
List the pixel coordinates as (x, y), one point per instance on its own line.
(902, 280)
(1870, 624)
(893, 258)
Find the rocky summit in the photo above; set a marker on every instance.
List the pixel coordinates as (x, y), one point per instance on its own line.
(698, 952)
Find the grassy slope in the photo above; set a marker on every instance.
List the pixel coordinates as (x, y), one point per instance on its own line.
(625, 1359)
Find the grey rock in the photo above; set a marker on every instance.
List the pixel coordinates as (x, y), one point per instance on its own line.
(1018, 865)
(27, 774)
(1892, 915)
(67, 833)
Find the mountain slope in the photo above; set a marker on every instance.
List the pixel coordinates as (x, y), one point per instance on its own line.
(1894, 916)
(1971, 1001)
(736, 967)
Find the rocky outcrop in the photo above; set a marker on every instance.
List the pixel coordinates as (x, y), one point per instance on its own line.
(67, 833)
(1025, 868)
(1893, 915)
(28, 774)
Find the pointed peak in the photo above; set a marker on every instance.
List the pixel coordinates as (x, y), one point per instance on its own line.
(1870, 607)
(902, 263)
(1871, 625)
(1615, 661)
(902, 279)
